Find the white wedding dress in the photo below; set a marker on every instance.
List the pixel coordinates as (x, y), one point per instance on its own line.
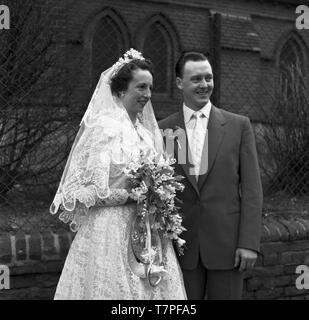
(97, 265)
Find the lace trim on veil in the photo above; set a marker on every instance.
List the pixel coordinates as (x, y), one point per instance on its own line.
(106, 137)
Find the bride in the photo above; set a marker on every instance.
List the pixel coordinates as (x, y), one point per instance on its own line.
(93, 192)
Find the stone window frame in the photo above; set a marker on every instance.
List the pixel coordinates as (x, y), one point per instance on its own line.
(299, 48)
(89, 33)
(173, 49)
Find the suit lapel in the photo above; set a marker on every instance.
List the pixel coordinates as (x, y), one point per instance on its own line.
(179, 122)
(216, 132)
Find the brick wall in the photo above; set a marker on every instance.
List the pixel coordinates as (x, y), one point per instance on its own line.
(36, 260)
(285, 245)
(251, 33)
(246, 26)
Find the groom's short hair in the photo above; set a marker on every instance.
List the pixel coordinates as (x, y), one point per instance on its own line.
(185, 57)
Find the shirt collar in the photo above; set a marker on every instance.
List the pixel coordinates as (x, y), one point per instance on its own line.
(187, 112)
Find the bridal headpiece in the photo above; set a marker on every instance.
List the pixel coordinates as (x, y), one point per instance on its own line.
(127, 57)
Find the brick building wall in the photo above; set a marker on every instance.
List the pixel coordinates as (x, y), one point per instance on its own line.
(246, 46)
(35, 262)
(243, 39)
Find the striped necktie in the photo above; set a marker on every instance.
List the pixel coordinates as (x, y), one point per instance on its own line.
(197, 141)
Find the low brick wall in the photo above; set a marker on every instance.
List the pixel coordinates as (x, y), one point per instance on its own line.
(285, 245)
(36, 260)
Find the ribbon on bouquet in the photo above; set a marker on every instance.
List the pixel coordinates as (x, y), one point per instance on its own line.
(151, 256)
(142, 256)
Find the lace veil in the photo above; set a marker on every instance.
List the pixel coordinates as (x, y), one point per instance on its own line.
(105, 137)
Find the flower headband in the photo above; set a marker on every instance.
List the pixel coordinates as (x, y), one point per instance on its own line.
(127, 57)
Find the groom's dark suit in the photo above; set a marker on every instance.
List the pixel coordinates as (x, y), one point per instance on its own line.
(222, 210)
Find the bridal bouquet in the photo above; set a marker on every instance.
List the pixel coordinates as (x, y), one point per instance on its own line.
(153, 185)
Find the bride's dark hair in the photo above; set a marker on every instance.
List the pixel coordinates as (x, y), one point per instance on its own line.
(122, 78)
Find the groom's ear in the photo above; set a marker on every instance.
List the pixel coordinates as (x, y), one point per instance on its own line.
(179, 83)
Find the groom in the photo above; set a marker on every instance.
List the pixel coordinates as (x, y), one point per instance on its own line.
(222, 199)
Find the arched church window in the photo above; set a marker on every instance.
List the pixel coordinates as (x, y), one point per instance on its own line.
(107, 46)
(157, 48)
(291, 66)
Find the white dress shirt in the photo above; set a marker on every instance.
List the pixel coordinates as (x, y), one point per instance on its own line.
(190, 124)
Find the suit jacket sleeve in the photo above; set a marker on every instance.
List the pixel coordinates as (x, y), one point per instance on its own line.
(251, 191)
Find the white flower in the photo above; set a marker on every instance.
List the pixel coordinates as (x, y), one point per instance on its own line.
(163, 193)
(138, 193)
(181, 242)
(170, 188)
(127, 57)
(149, 256)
